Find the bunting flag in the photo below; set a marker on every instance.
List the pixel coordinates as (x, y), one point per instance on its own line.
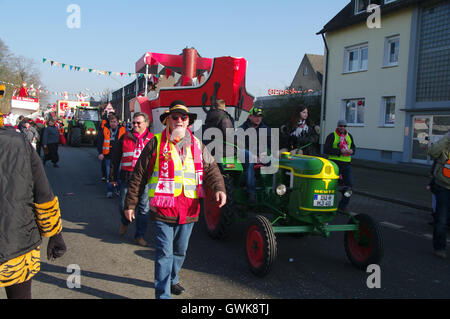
(161, 71)
(48, 92)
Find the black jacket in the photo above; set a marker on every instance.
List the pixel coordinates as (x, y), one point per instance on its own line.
(219, 119)
(259, 147)
(22, 184)
(308, 141)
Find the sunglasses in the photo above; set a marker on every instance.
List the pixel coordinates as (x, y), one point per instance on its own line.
(176, 117)
(342, 125)
(137, 123)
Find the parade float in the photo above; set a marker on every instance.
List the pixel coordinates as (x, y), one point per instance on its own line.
(196, 80)
(24, 102)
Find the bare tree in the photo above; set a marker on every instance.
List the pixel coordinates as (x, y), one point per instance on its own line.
(105, 97)
(17, 69)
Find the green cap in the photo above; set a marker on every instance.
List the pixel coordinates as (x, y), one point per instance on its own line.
(256, 111)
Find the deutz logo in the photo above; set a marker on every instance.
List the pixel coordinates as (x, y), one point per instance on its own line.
(321, 191)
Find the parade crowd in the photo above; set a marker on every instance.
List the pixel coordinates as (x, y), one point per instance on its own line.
(159, 178)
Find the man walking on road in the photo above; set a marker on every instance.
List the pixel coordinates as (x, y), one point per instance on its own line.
(50, 140)
(174, 164)
(125, 154)
(440, 152)
(108, 136)
(340, 146)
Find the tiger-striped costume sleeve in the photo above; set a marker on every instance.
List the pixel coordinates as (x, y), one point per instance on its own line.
(46, 204)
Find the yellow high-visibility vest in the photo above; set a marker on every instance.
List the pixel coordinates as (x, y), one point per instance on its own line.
(185, 180)
(337, 140)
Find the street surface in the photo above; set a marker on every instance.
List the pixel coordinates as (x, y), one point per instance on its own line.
(306, 268)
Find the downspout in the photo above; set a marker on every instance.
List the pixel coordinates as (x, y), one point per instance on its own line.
(323, 108)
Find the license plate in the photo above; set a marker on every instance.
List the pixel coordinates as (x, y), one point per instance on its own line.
(323, 200)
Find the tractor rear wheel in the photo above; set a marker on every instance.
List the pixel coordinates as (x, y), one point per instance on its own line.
(365, 248)
(75, 137)
(260, 245)
(218, 221)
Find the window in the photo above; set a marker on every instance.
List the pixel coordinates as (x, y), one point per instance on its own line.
(356, 58)
(361, 5)
(353, 111)
(388, 111)
(305, 71)
(392, 46)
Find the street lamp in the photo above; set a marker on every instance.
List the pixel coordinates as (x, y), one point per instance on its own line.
(123, 98)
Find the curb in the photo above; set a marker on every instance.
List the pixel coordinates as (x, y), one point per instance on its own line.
(395, 201)
(417, 171)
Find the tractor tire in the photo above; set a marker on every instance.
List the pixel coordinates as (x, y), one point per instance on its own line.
(218, 221)
(75, 137)
(368, 249)
(260, 245)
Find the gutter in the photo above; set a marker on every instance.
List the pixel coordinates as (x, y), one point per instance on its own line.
(323, 107)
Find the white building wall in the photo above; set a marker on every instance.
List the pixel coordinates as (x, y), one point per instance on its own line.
(373, 84)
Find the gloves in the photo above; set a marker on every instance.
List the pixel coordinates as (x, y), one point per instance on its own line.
(56, 247)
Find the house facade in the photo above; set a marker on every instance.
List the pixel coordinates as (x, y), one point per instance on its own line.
(309, 74)
(391, 84)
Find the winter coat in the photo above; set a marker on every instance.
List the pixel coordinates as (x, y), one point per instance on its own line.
(307, 141)
(50, 135)
(259, 147)
(23, 188)
(440, 152)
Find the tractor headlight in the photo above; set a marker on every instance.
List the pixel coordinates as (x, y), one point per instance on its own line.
(281, 190)
(94, 133)
(88, 132)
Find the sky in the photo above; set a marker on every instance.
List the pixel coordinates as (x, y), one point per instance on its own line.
(272, 36)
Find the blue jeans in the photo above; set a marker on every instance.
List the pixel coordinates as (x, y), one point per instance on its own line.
(109, 187)
(103, 166)
(141, 212)
(171, 243)
(440, 220)
(249, 172)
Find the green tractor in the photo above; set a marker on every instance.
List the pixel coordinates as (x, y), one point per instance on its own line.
(300, 198)
(84, 126)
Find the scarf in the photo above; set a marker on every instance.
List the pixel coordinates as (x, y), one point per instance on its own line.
(343, 145)
(301, 129)
(165, 189)
(139, 146)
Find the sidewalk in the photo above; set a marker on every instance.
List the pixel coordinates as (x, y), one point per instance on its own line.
(397, 183)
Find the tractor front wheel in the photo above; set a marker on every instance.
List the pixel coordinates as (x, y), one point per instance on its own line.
(364, 247)
(260, 245)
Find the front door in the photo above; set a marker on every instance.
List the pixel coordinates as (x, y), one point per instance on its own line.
(421, 138)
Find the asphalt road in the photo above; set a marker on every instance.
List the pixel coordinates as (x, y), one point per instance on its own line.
(306, 268)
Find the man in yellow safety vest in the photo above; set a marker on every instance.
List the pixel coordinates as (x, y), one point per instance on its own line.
(340, 146)
(175, 165)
